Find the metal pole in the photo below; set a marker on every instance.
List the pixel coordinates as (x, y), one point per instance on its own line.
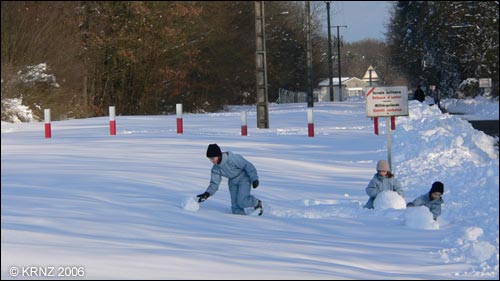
(261, 67)
(389, 144)
(330, 63)
(310, 99)
(338, 59)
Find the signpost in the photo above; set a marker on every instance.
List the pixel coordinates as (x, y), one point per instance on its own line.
(386, 102)
(485, 83)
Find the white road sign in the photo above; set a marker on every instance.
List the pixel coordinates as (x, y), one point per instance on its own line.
(386, 101)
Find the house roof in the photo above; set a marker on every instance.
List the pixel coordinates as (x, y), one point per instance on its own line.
(335, 81)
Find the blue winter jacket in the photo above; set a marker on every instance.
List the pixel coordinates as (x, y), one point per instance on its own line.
(378, 184)
(234, 167)
(434, 205)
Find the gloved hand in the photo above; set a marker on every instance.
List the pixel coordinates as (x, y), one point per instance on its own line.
(410, 205)
(255, 183)
(203, 197)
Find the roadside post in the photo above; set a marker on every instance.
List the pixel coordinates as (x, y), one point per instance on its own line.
(112, 121)
(180, 126)
(48, 129)
(244, 128)
(310, 122)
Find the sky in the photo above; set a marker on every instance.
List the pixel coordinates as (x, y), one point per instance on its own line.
(87, 204)
(364, 19)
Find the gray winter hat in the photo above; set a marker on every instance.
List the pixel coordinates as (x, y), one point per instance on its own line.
(383, 165)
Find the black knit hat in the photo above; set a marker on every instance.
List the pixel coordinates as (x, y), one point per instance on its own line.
(437, 186)
(213, 150)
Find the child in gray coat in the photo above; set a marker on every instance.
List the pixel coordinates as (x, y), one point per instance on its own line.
(381, 181)
(431, 200)
(241, 174)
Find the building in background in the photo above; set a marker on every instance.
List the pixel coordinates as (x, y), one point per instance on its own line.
(351, 87)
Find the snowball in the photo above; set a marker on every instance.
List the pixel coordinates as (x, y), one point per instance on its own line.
(420, 217)
(190, 204)
(389, 199)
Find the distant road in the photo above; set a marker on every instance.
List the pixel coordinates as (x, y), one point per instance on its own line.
(490, 127)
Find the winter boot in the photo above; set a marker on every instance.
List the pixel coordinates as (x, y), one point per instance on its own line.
(259, 207)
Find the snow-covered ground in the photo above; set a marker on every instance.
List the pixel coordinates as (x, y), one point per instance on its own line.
(116, 207)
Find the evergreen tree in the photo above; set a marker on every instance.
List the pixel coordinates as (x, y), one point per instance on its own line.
(445, 43)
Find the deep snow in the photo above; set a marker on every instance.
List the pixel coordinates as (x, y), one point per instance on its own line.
(116, 205)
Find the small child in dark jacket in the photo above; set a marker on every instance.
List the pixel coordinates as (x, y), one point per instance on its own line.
(431, 200)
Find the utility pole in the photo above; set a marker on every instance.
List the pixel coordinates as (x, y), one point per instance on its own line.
(330, 63)
(261, 67)
(338, 58)
(310, 98)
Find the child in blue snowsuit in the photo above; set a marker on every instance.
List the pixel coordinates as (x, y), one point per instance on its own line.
(431, 200)
(241, 174)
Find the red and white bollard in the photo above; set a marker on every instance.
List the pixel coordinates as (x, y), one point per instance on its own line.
(112, 122)
(375, 125)
(310, 122)
(48, 130)
(244, 128)
(179, 118)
